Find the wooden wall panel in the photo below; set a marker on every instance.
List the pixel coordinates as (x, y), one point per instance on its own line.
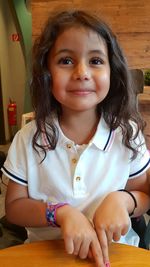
(129, 19)
(137, 49)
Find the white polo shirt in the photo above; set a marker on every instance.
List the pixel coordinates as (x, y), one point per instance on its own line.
(79, 175)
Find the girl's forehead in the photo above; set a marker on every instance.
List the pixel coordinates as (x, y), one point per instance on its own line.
(79, 35)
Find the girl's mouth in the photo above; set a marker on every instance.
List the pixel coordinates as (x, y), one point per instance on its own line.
(81, 92)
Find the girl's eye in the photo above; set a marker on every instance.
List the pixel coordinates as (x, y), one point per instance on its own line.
(65, 61)
(96, 61)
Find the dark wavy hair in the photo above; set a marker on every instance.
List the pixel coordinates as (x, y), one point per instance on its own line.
(119, 107)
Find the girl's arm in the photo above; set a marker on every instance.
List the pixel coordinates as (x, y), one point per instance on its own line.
(22, 210)
(140, 188)
(16, 192)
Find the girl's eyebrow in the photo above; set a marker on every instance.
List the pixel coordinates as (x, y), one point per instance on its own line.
(98, 51)
(65, 50)
(94, 51)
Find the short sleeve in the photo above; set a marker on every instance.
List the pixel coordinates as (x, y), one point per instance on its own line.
(16, 164)
(142, 162)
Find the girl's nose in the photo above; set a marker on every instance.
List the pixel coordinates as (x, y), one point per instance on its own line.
(81, 72)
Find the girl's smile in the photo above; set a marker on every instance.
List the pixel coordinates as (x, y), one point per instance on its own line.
(81, 92)
(80, 70)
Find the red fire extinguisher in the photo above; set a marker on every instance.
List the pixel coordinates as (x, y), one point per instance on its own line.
(12, 117)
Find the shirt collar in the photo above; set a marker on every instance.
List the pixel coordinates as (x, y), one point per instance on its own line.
(102, 139)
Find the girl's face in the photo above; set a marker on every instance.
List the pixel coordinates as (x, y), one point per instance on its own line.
(80, 70)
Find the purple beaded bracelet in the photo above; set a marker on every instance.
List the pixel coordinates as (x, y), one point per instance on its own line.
(51, 213)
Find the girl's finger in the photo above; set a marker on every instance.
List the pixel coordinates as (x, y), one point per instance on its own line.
(69, 245)
(84, 249)
(90, 254)
(113, 235)
(117, 235)
(77, 244)
(126, 228)
(97, 254)
(109, 235)
(104, 245)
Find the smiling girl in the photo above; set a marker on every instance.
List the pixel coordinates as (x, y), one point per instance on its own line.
(67, 166)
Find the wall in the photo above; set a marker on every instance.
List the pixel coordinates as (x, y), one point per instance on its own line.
(12, 64)
(130, 19)
(22, 17)
(15, 57)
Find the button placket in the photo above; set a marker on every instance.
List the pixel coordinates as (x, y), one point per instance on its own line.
(79, 188)
(69, 145)
(78, 178)
(73, 157)
(74, 160)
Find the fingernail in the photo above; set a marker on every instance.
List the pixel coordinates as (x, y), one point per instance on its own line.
(107, 264)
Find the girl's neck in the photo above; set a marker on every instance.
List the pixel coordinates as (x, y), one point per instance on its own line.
(79, 127)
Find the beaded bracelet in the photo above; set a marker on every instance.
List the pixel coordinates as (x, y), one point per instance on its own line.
(51, 213)
(134, 199)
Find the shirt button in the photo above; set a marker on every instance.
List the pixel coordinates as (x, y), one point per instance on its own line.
(74, 161)
(78, 178)
(68, 145)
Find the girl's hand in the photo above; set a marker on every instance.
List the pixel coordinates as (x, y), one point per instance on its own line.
(79, 235)
(111, 221)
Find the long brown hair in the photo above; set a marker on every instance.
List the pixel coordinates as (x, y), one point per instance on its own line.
(119, 107)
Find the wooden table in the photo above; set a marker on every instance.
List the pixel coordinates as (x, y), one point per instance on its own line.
(52, 254)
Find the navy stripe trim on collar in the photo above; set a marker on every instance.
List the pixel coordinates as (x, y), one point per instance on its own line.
(105, 147)
(133, 174)
(14, 176)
